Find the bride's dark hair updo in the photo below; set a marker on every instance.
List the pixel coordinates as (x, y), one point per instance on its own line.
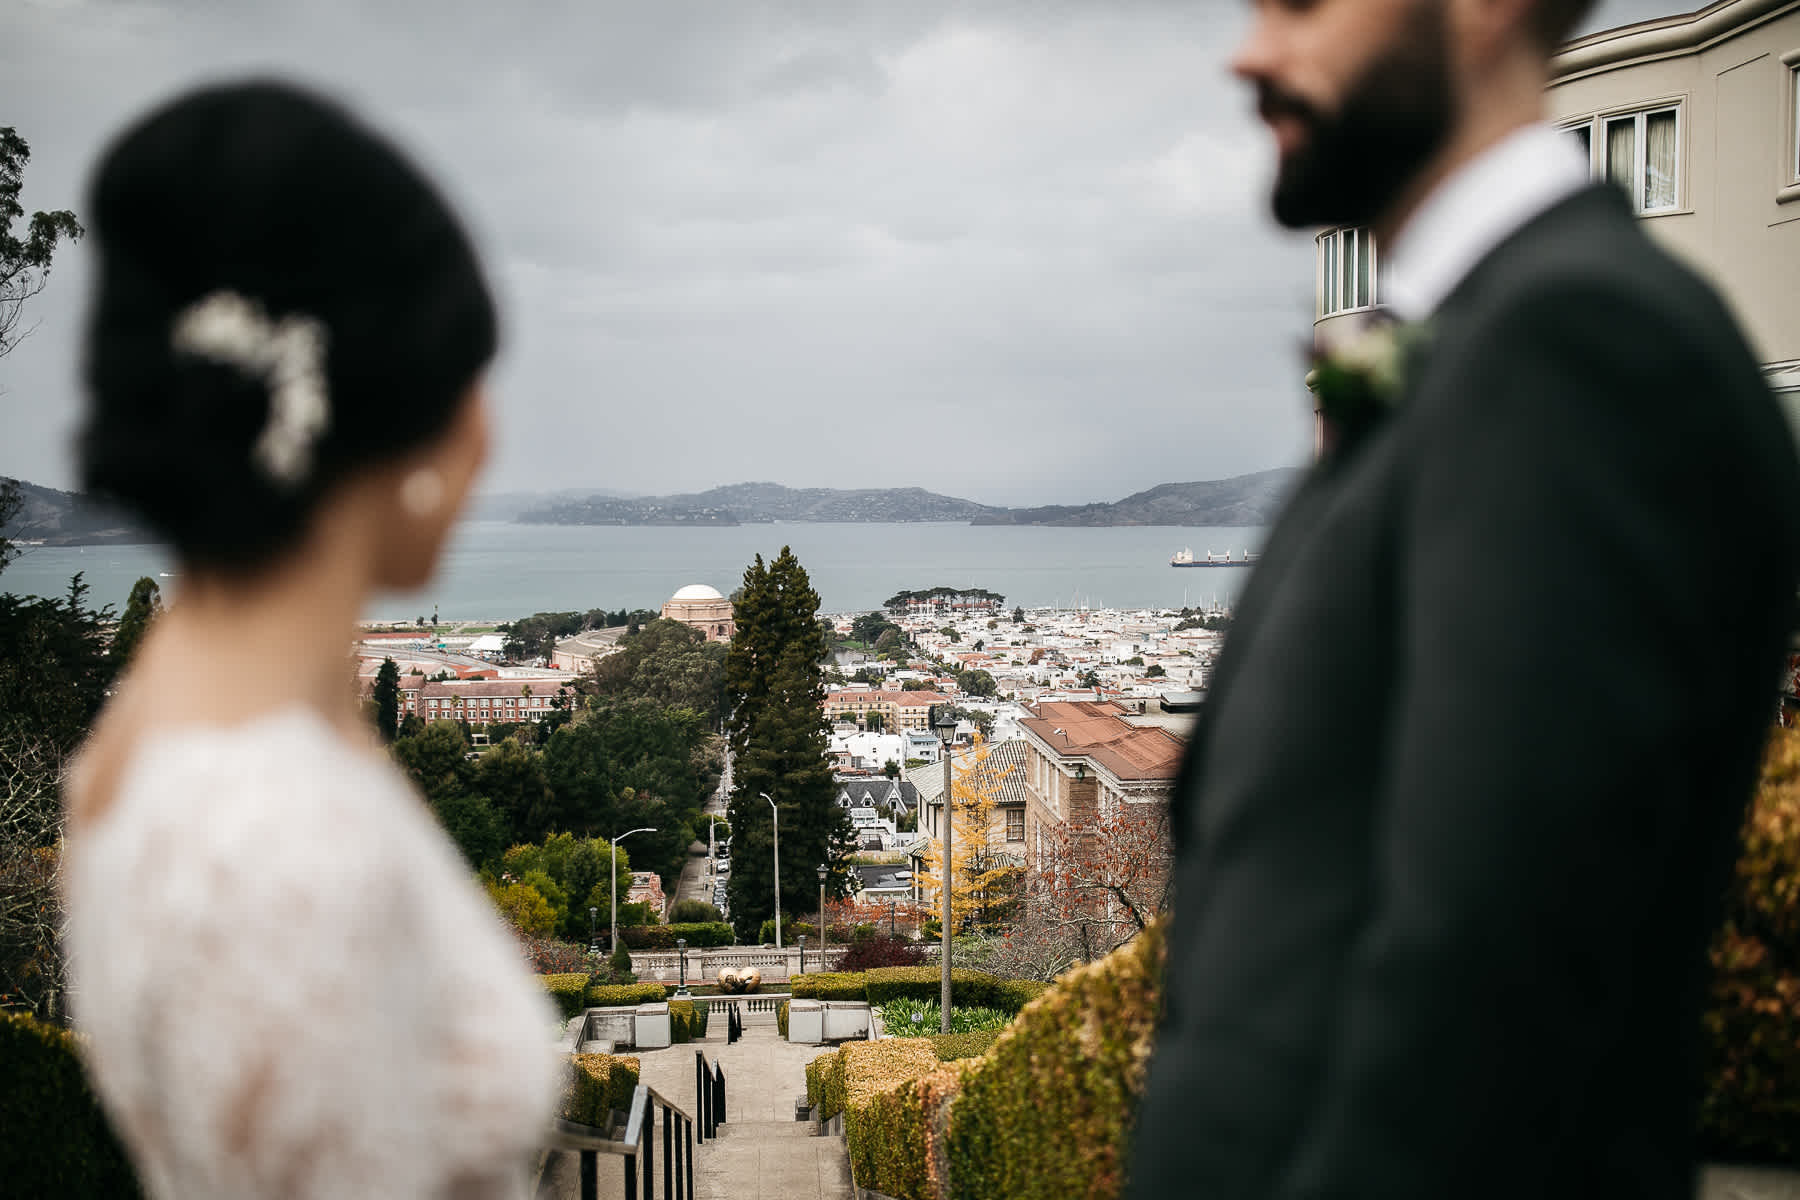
(260, 198)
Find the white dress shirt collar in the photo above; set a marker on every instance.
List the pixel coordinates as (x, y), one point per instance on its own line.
(1474, 210)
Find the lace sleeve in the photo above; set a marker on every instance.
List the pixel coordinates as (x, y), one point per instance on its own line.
(288, 988)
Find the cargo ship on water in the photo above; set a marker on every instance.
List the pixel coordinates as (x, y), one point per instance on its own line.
(1185, 558)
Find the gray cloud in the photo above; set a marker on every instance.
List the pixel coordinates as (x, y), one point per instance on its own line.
(1012, 249)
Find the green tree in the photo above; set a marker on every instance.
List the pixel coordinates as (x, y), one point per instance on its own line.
(54, 668)
(873, 722)
(1155, 671)
(778, 735)
(473, 824)
(141, 608)
(624, 764)
(11, 501)
(24, 255)
(512, 777)
(1019, 616)
(386, 694)
(437, 760)
(669, 663)
(889, 643)
(977, 683)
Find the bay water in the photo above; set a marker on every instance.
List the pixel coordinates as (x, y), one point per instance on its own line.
(496, 571)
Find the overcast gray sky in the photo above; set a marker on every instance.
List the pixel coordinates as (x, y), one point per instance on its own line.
(1013, 250)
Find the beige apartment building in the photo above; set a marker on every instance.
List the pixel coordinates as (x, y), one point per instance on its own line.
(1697, 117)
(899, 711)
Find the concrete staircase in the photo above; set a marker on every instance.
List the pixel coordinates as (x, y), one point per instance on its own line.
(772, 1160)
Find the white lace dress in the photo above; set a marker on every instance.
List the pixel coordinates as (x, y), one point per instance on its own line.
(291, 983)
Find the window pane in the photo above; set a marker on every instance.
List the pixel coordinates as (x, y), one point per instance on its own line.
(1329, 291)
(1347, 293)
(1363, 297)
(1584, 137)
(1621, 151)
(1659, 160)
(1796, 82)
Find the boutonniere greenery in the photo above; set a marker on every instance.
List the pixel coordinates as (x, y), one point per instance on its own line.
(1361, 379)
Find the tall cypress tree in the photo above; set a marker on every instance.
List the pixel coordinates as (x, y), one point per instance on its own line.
(386, 696)
(775, 685)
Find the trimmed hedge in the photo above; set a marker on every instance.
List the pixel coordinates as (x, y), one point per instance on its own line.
(781, 1019)
(621, 995)
(662, 937)
(1750, 1111)
(968, 989)
(789, 930)
(829, 985)
(687, 1019)
(599, 1085)
(884, 1126)
(54, 1140)
(568, 990)
(1047, 1112)
(952, 1046)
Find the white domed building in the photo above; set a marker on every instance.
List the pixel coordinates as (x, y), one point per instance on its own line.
(700, 607)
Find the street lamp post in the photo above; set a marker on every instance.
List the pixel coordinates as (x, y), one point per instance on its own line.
(613, 854)
(823, 941)
(946, 730)
(777, 827)
(681, 958)
(802, 941)
(593, 927)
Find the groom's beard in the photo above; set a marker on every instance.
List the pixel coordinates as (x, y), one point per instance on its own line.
(1393, 120)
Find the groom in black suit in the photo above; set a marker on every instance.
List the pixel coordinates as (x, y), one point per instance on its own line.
(1454, 827)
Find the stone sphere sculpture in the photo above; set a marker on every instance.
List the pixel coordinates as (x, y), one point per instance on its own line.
(738, 982)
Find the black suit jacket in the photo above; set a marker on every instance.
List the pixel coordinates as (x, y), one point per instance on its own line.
(1452, 833)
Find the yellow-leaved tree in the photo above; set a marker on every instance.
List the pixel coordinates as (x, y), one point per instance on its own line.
(983, 879)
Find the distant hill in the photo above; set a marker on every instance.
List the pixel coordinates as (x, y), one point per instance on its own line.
(1241, 500)
(69, 519)
(755, 503)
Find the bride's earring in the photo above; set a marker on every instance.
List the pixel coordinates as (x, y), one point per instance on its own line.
(422, 492)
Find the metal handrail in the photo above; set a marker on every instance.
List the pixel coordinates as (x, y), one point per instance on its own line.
(637, 1146)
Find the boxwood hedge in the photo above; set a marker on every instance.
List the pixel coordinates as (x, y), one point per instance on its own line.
(598, 1085)
(54, 1140)
(569, 991)
(620, 995)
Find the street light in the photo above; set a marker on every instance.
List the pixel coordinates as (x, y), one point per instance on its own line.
(681, 957)
(823, 872)
(802, 940)
(613, 854)
(593, 927)
(946, 731)
(777, 827)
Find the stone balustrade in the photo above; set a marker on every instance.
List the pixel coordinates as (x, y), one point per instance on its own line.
(703, 966)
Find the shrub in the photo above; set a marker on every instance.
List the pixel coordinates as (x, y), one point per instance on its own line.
(974, 989)
(625, 995)
(1047, 1111)
(641, 912)
(1015, 994)
(681, 1021)
(922, 1018)
(884, 1124)
(867, 952)
(1750, 1110)
(695, 912)
(619, 963)
(54, 1140)
(829, 985)
(952, 1046)
(781, 1019)
(569, 990)
(550, 957)
(599, 1085)
(662, 937)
